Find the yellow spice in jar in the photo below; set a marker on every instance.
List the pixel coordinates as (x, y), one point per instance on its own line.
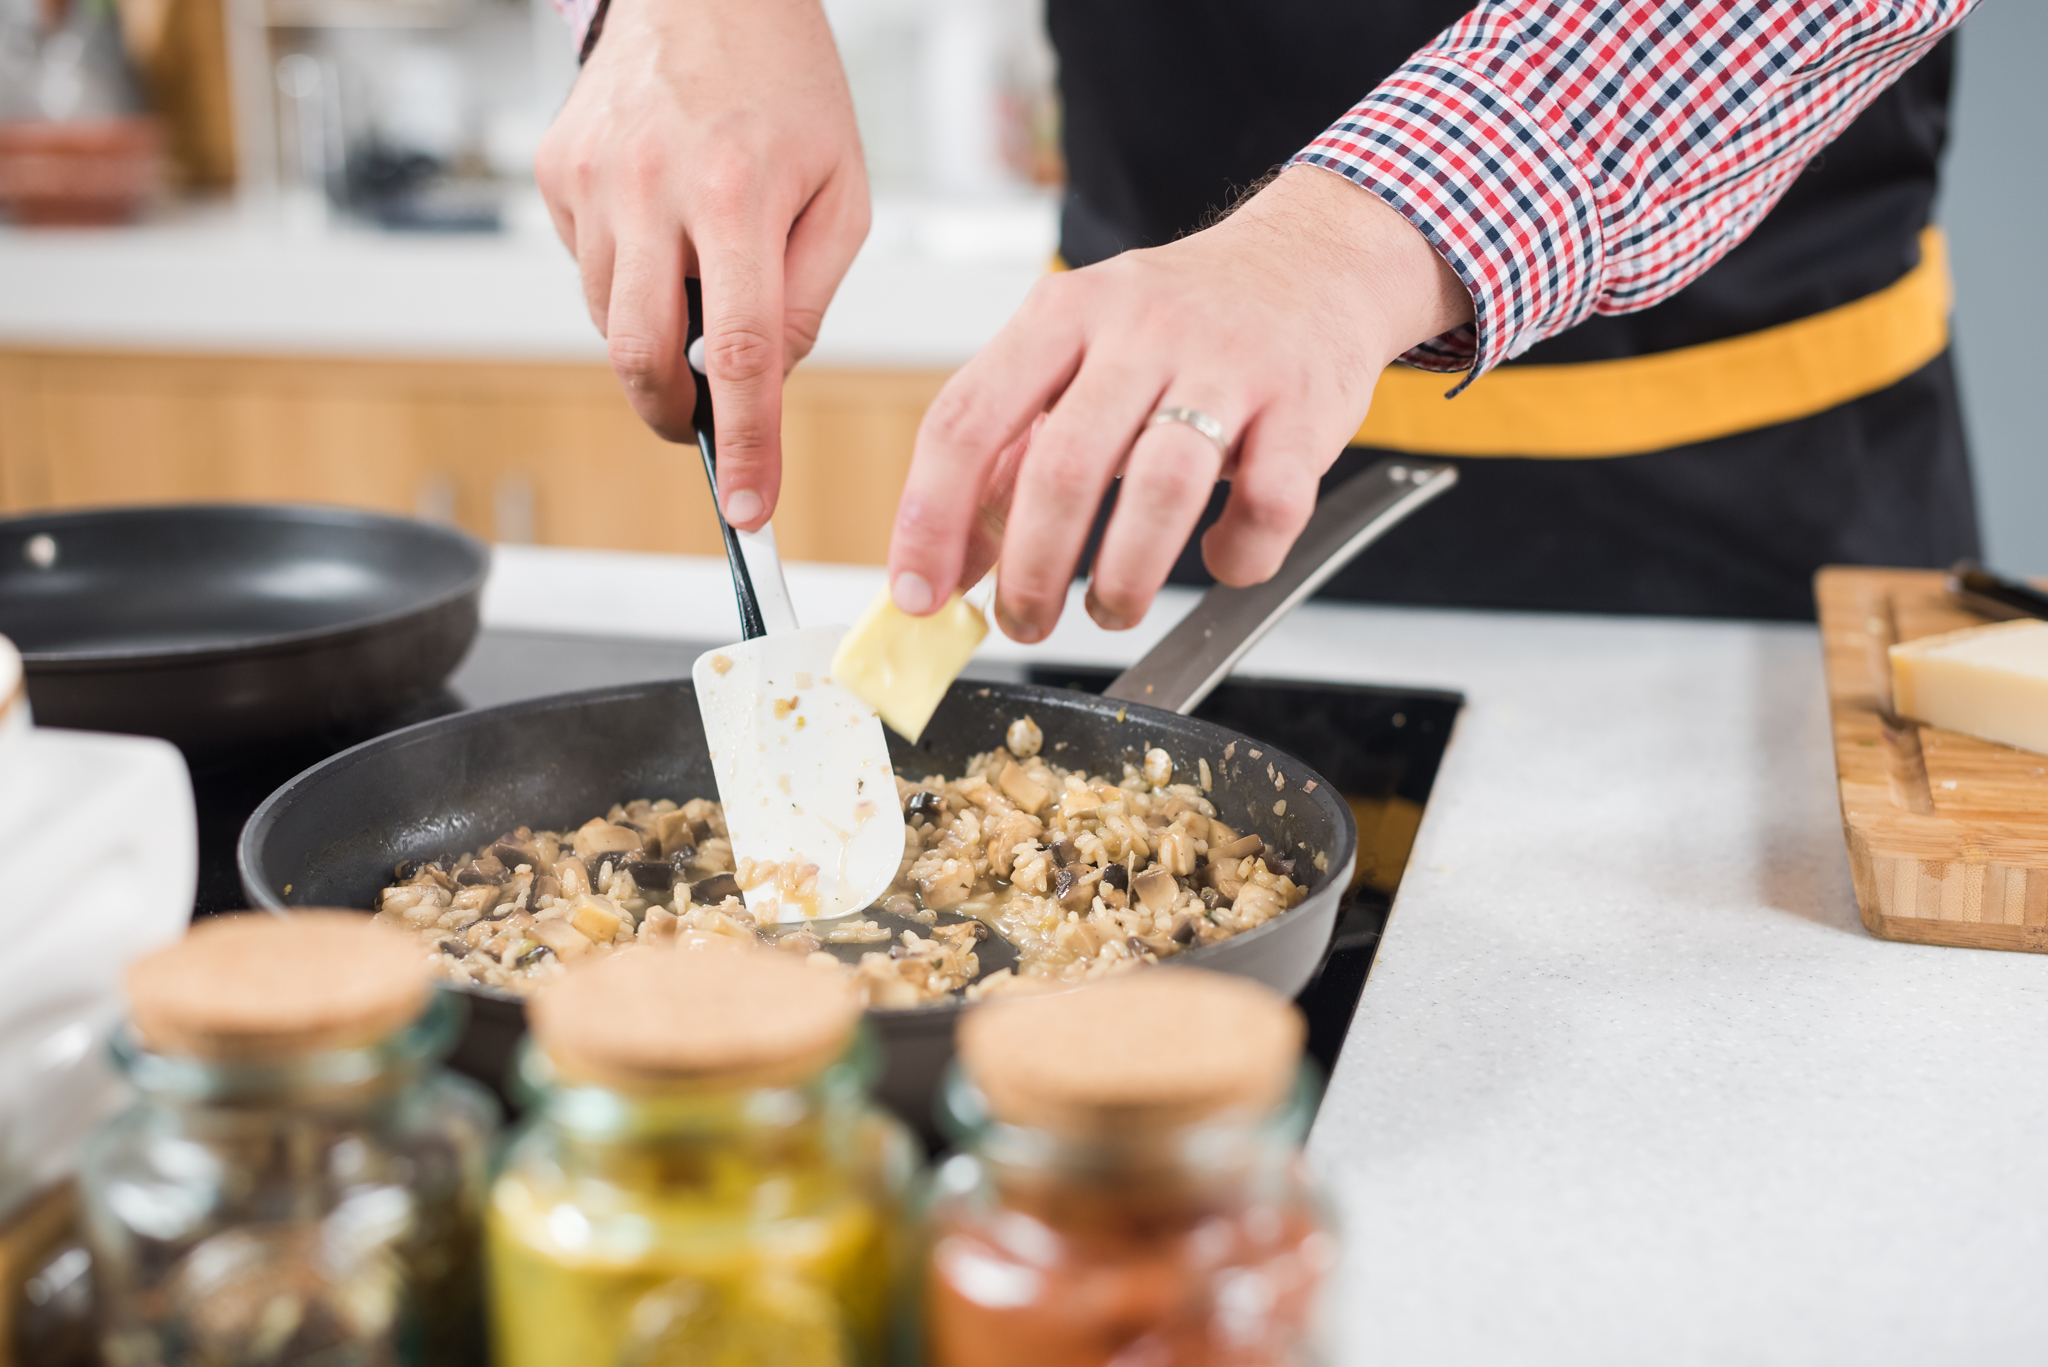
(771, 1270)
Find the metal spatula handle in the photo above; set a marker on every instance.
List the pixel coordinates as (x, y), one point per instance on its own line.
(757, 581)
(1196, 655)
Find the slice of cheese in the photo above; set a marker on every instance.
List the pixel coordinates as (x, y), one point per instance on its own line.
(902, 665)
(1990, 682)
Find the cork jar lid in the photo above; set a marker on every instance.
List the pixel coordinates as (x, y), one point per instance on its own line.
(1144, 1051)
(654, 1016)
(260, 986)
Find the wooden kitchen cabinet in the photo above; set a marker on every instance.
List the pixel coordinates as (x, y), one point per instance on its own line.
(510, 451)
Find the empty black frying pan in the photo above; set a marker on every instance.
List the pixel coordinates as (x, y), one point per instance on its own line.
(331, 836)
(221, 625)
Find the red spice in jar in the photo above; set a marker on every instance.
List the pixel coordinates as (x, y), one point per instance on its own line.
(1220, 1288)
(1086, 1233)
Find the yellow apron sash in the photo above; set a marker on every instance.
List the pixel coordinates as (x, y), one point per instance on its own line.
(1675, 398)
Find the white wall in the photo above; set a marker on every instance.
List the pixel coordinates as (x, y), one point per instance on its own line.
(1996, 209)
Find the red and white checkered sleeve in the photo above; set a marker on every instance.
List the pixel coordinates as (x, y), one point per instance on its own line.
(580, 14)
(1571, 157)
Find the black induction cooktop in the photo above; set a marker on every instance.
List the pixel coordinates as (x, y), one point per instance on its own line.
(1379, 746)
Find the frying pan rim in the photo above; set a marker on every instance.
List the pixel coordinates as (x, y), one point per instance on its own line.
(261, 897)
(140, 659)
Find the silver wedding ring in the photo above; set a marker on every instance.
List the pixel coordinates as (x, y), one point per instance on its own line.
(1197, 419)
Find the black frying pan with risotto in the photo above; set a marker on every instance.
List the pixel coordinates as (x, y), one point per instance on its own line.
(333, 835)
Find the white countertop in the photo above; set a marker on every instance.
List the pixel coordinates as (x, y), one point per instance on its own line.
(1629, 1083)
(933, 283)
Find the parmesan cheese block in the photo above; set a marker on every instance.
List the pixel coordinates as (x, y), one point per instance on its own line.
(1990, 682)
(902, 665)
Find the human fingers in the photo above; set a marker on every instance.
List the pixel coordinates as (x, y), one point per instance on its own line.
(552, 162)
(740, 259)
(594, 267)
(1272, 495)
(992, 515)
(645, 328)
(981, 411)
(1061, 483)
(1172, 469)
(822, 244)
(564, 219)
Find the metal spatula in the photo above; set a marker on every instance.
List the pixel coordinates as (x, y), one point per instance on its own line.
(801, 763)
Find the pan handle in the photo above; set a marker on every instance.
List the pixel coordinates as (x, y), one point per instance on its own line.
(1196, 655)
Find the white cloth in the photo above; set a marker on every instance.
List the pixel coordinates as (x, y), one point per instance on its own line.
(99, 849)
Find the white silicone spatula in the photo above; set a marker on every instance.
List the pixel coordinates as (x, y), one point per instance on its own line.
(801, 763)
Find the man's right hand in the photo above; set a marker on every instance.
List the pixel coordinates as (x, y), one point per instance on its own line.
(711, 139)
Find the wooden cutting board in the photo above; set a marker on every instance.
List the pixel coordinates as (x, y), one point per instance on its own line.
(1948, 834)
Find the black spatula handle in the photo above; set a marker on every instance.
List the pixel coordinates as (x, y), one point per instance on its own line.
(752, 628)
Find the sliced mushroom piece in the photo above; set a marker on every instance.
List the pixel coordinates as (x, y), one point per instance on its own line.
(1073, 886)
(1156, 888)
(1229, 875)
(597, 917)
(513, 850)
(658, 874)
(573, 874)
(924, 806)
(557, 934)
(1117, 876)
(1184, 929)
(1236, 849)
(1018, 786)
(597, 837)
(650, 843)
(670, 828)
(476, 900)
(1083, 939)
(454, 949)
(709, 892)
(486, 868)
(427, 873)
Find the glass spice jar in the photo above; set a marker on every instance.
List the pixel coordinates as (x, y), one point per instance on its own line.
(704, 1179)
(297, 1182)
(1129, 1187)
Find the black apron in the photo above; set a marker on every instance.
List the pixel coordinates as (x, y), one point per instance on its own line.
(1174, 107)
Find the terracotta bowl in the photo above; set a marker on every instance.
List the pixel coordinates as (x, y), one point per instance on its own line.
(79, 174)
